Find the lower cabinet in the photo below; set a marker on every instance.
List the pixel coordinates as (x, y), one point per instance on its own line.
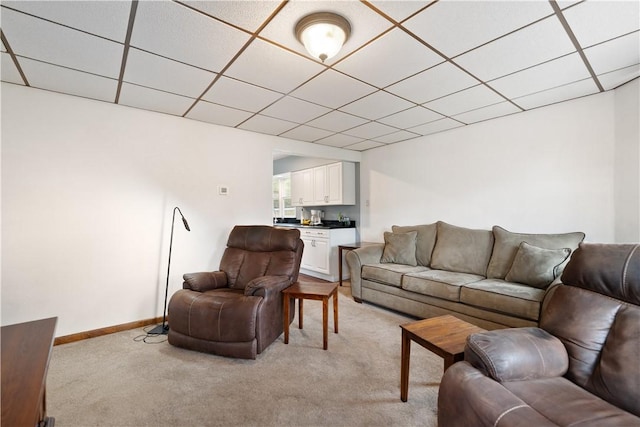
(320, 255)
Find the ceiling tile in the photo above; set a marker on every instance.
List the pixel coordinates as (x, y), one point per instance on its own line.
(42, 40)
(306, 133)
(167, 28)
(65, 80)
(466, 100)
(279, 70)
(377, 105)
(370, 130)
(103, 18)
(486, 113)
(391, 138)
(392, 57)
(365, 24)
(218, 114)
(437, 126)
(593, 22)
(237, 94)
(294, 110)
(454, 27)
(559, 94)
(554, 73)
(411, 117)
(364, 145)
(530, 46)
(619, 53)
(339, 140)
(250, 16)
(167, 75)
(337, 121)
(154, 100)
(433, 83)
(8, 71)
(268, 125)
(399, 10)
(614, 79)
(333, 89)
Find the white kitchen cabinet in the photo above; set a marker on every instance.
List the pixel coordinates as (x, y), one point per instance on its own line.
(320, 255)
(302, 187)
(332, 184)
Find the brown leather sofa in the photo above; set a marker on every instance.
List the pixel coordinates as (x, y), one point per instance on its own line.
(238, 310)
(579, 368)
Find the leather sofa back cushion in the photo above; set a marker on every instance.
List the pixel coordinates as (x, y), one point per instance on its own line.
(263, 238)
(507, 244)
(602, 339)
(243, 266)
(462, 249)
(425, 240)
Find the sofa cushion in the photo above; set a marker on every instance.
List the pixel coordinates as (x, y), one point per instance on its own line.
(438, 283)
(462, 249)
(507, 243)
(505, 297)
(536, 266)
(400, 248)
(425, 241)
(389, 274)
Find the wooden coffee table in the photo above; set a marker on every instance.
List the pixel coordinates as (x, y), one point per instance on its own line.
(442, 335)
(313, 291)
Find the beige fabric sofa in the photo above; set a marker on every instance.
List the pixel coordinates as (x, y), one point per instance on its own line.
(492, 278)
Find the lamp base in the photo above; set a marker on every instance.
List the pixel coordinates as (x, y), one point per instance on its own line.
(159, 330)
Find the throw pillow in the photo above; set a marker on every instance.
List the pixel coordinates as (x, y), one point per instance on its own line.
(400, 248)
(425, 241)
(461, 249)
(536, 266)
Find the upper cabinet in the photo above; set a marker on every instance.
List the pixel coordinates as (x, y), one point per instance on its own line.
(332, 184)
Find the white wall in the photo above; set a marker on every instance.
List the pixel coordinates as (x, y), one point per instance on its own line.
(552, 169)
(88, 189)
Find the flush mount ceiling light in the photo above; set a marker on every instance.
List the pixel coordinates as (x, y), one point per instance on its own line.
(323, 34)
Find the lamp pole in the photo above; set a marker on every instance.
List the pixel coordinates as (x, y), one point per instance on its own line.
(163, 329)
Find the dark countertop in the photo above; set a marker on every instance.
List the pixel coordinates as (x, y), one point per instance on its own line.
(326, 225)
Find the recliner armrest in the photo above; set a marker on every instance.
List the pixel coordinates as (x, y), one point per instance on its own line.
(517, 354)
(205, 281)
(266, 286)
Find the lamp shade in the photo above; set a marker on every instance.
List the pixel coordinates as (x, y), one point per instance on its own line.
(323, 34)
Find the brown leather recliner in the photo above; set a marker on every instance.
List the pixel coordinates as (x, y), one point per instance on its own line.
(579, 368)
(238, 310)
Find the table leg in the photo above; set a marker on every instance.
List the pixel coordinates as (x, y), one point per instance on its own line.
(451, 359)
(325, 322)
(340, 265)
(300, 312)
(286, 318)
(335, 311)
(404, 367)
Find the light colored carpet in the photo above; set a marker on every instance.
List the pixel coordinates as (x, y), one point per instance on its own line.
(116, 381)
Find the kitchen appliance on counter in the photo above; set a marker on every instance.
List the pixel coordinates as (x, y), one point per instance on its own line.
(316, 217)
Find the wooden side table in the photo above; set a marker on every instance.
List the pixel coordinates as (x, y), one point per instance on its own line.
(443, 335)
(313, 291)
(348, 247)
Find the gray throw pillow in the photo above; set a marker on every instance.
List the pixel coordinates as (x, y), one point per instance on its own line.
(536, 266)
(400, 248)
(463, 250)
(425, 241)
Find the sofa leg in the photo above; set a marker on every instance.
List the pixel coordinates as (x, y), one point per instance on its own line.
(358, 300)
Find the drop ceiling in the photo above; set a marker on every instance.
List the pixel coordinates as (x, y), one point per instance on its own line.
(409, 69)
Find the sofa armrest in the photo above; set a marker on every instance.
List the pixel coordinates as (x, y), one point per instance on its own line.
(205, 281)
(356, 258)
(517, 354)
(267, 286)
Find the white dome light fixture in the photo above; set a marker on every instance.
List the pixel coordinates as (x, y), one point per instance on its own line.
(323, 34)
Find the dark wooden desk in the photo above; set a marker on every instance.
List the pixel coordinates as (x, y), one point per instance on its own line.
(26, 349)
(348, 247)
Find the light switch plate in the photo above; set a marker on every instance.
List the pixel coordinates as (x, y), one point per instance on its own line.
(223, 190)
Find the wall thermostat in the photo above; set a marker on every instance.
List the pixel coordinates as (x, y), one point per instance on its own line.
(223, 190)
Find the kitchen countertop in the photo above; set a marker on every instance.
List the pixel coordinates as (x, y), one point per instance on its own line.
(326, 225)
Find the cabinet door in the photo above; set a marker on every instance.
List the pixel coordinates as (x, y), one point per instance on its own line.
(297, 188)
(320, 185)
(334, 183)
(316, 255)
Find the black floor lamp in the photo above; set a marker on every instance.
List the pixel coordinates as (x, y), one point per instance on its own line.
(163, 329)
